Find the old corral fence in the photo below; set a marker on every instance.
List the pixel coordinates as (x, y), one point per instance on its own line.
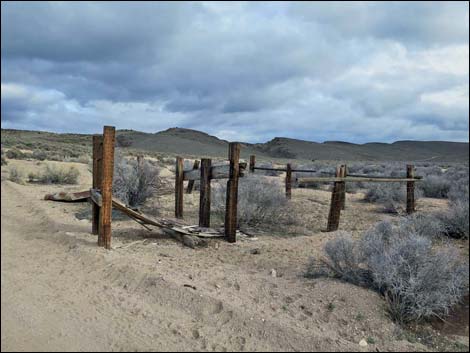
(102, 199)
(338, 195)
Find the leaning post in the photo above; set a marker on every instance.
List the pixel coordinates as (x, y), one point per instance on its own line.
(288, 181)
(179, 187)
(190, 187)
(107, 186)
(335, 206)
(205, 193)
(97, 165)
(232, 193)
(410, 190)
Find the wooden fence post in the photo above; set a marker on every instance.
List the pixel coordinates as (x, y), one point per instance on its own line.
(410, 190)
(288, 181)
(335, 206)
(252, 163)
(104, 237)
(232, 193)
(189, 189)
(343, 191)
(179, 188)
(205, 193)
(97, 165)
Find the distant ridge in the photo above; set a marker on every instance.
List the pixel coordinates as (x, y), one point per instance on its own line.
(197, 143)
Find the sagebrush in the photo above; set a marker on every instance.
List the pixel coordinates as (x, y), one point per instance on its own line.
(261, 201)
(417, 280)
(134, 182)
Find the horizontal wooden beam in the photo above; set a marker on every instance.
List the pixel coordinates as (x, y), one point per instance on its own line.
(217, 172)
(353, 179)
(378, 176)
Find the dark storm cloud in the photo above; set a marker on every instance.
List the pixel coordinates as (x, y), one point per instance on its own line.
(242, 71)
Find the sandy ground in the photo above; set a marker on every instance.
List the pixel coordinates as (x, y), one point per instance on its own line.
(59, 291)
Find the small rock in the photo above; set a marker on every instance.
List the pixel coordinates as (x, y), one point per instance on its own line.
(363, 343)
(273, 273)
(255, 251)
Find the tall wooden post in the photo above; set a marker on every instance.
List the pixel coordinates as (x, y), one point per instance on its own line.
(410, 190)
(97, 166)
(232, 193)
(190, 187)
(104, 237)
(179, 188)
(252, 163)
(343, 191)
(335, 206)
(288, 181)
(205, 193)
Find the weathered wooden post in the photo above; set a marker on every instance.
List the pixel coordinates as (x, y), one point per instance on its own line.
(410, 190)
(190, 187)
(343, 191)
(179, 188)
(335, 206)
(205, 193)
(104, 237)
(97, 166)
(232, 193)
(288, 181)
(252, 163)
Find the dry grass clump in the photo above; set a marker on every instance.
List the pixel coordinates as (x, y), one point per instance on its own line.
(55, 175)
(15, 175)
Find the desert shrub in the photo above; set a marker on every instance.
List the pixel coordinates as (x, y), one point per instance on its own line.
(134, 182)
(389, 195)
(416, 280)
(260, 202)
(15, 153)
(56, 175)
(435, 186)
(15, 175)
(4, 161)
(456, 218)
(39, 155)
(426, 225)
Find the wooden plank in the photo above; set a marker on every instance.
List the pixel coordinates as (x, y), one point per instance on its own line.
(271, 169)
(410, 190)
(379, 176)
(179, 188)
(81, 196)
(217, 172)
(232, 193)
(335, 205)
(288, 181)
(96, 197)
(97, 171)
(190, 187)
(104, 237)
(205, 193)
(252, 163)
(354, 179)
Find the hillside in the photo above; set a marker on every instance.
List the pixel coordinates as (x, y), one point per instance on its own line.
(196, 143)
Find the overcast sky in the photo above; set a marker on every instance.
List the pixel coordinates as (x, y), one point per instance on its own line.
(357, 72)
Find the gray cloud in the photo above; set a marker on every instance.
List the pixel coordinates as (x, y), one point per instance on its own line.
(243, 71)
